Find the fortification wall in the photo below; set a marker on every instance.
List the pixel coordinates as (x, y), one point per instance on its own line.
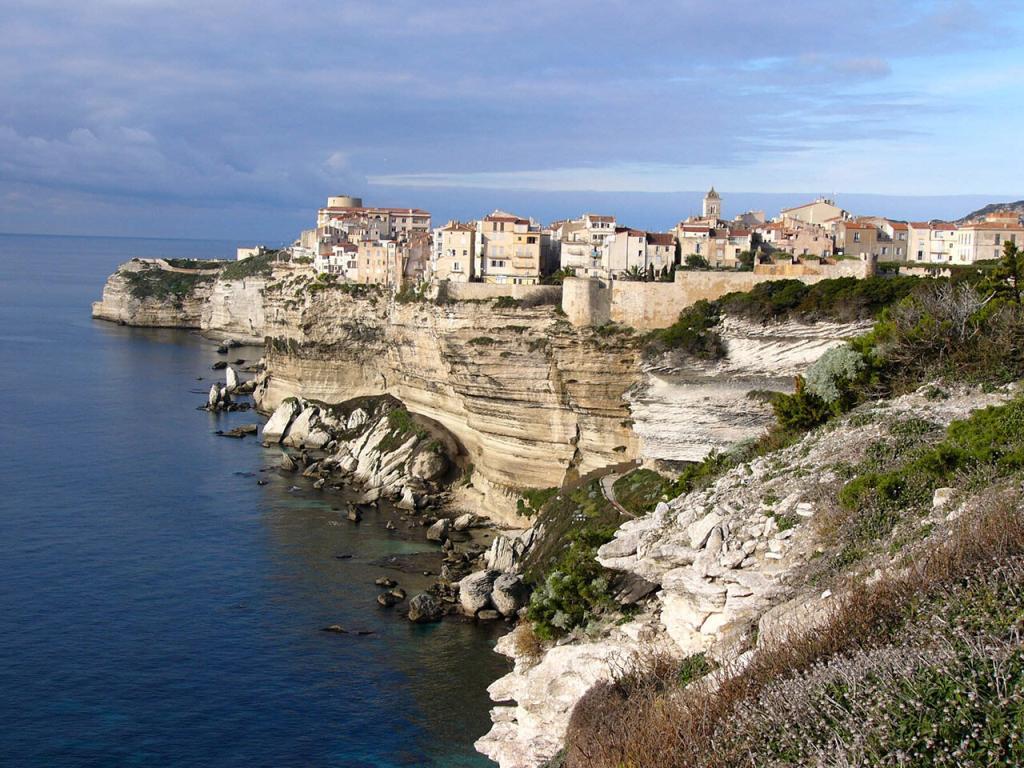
(650, 305)
(536, 294)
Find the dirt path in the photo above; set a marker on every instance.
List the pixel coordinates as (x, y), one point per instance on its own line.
(608, 489)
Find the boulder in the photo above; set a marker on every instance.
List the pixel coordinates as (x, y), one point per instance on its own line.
(942, 497)
(354, 514)
(287, 463)
(428, 464)
(387, 599)
(464, 522)
(509, 594)
(357, 418)
(424, 607)
(408, 501)
(475, 591)
(488, 615)
(230, 379)
(277, 425)
(214, 396)
(385, 582)
(317, 439)
(439, 530)
(220, 365)
(307, 421)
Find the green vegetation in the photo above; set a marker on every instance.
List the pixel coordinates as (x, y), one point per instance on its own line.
(640, 490)
(840, 299)
(987, 445)
(570, 587)
(693, 333)
(254, 266)
(507, 302)
(162, 285)
(533, 499)
(482, 341)
(195, 263)
(402, 426)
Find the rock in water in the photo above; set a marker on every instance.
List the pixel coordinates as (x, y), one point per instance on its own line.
(475, 591)
(424, 608)
(354, 514)
(220, 365)
(231, 379)
(388, 599)
(509, 594)
(277, 424)
(287, 463)
(438, 531)
(214, 397)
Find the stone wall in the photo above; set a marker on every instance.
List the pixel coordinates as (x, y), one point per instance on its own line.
(536, 294)
(650, 305)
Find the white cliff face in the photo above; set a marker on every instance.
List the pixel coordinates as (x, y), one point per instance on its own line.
(729, 561)
(682, 411)
(119, 304)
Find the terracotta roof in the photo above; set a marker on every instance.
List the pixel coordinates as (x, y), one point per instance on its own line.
(458, 228)
(661, 238)
(898, 224)
(596, 217)
(859, 225)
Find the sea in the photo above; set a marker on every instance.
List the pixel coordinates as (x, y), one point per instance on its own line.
(158, 606)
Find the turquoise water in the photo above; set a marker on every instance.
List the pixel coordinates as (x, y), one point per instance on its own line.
(157, 606)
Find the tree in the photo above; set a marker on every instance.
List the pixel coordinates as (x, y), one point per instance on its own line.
(1008, 274)
(746, 261)
(693, 261)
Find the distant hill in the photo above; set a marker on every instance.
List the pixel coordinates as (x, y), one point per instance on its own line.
(991, 208)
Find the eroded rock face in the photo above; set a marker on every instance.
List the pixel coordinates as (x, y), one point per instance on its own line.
(726, 570)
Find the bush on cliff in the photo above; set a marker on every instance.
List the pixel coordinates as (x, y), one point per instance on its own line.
(162, 285)
(260, 265)
(693, 333)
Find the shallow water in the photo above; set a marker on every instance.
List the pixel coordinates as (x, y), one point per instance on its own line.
(157, 606)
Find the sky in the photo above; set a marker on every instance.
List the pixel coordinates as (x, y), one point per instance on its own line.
(224, 118)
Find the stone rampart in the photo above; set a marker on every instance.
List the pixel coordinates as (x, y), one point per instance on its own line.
(650, 305)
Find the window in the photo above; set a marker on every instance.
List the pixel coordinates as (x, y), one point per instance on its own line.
(856, 237)
(456, 266)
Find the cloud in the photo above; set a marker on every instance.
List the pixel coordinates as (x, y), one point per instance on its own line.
(211, 103)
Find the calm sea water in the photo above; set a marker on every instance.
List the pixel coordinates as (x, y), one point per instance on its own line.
(157, 606)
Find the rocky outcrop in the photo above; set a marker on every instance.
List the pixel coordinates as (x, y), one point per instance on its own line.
(148, 292)
(731, 567)
(683, 408)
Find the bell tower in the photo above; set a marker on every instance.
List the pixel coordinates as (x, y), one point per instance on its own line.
(712, 208)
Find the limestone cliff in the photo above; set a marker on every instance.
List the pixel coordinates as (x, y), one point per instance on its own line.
(737, 565)
(532, 400)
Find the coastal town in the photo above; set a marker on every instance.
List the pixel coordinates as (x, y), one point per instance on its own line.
(399, 249)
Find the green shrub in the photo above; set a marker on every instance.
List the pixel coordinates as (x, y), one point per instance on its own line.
(533, 499)
(482, 341)
(254, 266)
(692, 333)
(576, 589)
(832, 374)
(801, 411)
(640, 490)
(507, 302)
(159, 284)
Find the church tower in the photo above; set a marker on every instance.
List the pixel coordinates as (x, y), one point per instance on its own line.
(712, 208)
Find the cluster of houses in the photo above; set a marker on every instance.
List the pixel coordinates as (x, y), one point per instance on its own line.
(396, 247)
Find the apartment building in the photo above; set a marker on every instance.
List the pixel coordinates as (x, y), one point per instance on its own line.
(931, 242)
(454, 252)
(815, 213)
(509, 249)
(983, 240)
(378, 263)
(580, 243)
(630, 250)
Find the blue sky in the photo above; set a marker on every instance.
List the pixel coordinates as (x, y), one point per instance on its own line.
(236, 119)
